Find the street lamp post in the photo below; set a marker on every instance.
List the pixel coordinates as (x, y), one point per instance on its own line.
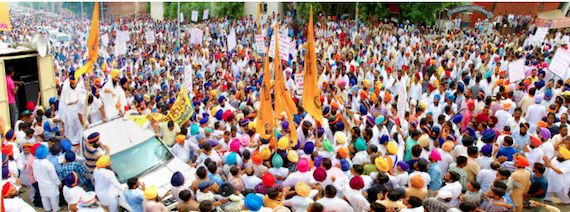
(178, 34)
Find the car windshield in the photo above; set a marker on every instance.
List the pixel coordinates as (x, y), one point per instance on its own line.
(140, 159)
(64, 38)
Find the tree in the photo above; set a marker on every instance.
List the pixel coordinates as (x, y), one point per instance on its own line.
(367, 10)
(231, 9)
(425, 13)
(304, 10)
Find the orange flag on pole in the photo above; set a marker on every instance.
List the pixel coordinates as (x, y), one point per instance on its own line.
(92, 44)
(311, 91)
(283, 101)
(265, 113)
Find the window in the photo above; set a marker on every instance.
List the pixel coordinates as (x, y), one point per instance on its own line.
(263, 8)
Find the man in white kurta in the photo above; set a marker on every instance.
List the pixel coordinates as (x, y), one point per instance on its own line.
(12, 203)
(111, 93)
(557, 176)
(70, 94)
(107, 186)
(333, 203)
(48, 181)
(454, 187)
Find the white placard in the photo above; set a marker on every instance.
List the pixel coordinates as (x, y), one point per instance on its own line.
(196, 37)
(232, 42)
(560, 63)
(149, 36)
(540, 34)
(293, 49)
(283, 42)
(516, 70)
(105, 40)
(194, 15)
(205, 16)
(188, 79)
(299, 80)
(181, 17)
(402, 104)
(272, 46)
(122, 36)
(120, 48)
(260, 43)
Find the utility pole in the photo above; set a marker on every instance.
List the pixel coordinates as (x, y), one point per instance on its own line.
(136, 8)
(82, 11)
(178, 34)
(356, 16)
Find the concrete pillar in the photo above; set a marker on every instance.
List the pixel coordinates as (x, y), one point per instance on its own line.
(157, 10)
(565, 8)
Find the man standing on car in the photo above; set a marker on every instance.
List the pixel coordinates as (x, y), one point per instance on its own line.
(92, 152)
(107, 186)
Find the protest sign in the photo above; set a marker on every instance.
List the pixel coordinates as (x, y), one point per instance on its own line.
(283, 42)
(122, 36)
(149, 36)
(205, 16)
(540, 34)
(232, 43)
(260, 43)
(120, 48)
(560, 63)
(516, 70)
(105, 40)
(196, 37)
(194, 15)
(402, 103)
(299, 80)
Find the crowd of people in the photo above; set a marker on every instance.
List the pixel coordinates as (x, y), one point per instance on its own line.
(469, 140)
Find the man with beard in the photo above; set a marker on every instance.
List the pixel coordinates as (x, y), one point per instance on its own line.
(11, 200)
(436, 108)
(96, 108)
(92, 153)
(107, 186)
(557, 176)
(453, 186)
(111, 97)
(439, 203)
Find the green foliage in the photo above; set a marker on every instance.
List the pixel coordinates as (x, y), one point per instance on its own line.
(148, 7)
(368, 10)
(304, 9)
(234, 9)
(425, 13)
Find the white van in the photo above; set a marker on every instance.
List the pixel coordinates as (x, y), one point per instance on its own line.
(139, 153)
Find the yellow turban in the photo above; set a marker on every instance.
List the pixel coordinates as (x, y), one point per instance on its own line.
(292, 156)
(436, 83)
(151, 192)
(266, 153)
(381, 165)
(564, 152)
(302, 189)
(340, 137)
(366, 83)
(213, 111)
(423, 141)
(423, 105)
(392, 149)
(251, 125)
(103, 161)
(115, 73)
(283, 143)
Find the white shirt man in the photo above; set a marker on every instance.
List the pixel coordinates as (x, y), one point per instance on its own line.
(107, 188)
(335, 204)
(48, 182)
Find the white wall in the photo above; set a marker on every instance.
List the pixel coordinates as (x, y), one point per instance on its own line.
(157, 10)
(250, 8)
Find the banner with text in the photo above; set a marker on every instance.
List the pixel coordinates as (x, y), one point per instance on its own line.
(516, 70)
(205, 16)
(105, 40)
(194, 15)
(149, 36)
(196, 37)
(260, 44)
(560, 63)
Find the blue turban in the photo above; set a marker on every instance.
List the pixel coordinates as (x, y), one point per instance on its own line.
(177, 179)
(458, 118)
(384, 139)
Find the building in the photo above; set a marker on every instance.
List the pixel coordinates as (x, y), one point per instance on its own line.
(266, 8)
(123, 9)
(518, 8)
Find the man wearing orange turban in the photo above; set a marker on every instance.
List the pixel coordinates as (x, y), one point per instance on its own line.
(522, 176)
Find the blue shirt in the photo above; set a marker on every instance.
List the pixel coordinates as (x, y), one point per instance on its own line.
(56, 164)
(508, 152)
(537, 184)
(434, 172)
(521, 140)
(135, 198)
(216, 178)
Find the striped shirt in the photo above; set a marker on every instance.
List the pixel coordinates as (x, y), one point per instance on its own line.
(91, 156)
(495, 208)
(518, 95)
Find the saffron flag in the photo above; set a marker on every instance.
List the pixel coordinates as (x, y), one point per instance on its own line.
(311, 91)
(265, 113)
(181, 110)
(141, 119)
(92, 44)
(258, 24)
(283, 101)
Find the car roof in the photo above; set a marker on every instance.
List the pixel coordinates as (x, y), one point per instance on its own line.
(119, 134)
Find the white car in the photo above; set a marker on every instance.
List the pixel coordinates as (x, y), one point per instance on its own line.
(139, 153)
(58, 37)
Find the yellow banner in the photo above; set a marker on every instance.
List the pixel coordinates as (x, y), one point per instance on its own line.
(141, 119)
(181, 110)
(311, 91)
(5, 24)
(93, 42)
